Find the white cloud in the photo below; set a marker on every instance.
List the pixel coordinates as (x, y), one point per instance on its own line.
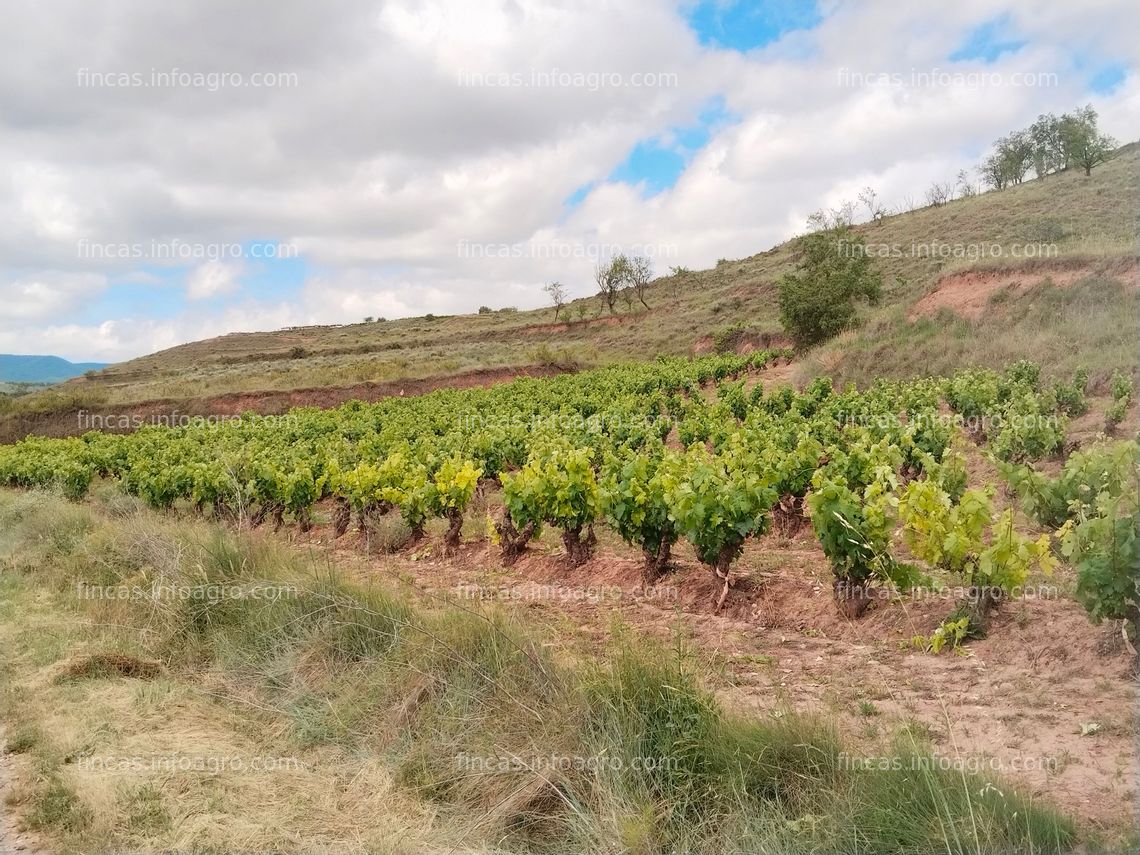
(380, 166)
(46, 296)
(213, 279)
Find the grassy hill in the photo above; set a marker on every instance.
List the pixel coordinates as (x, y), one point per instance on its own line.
(958, 289)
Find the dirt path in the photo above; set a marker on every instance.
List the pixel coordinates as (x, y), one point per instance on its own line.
(12, 840)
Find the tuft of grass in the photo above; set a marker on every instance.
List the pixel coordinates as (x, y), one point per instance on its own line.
(55, 807)
(145, 810)
(23, 739)
(388, 534)
(102, 665)
(867, 709)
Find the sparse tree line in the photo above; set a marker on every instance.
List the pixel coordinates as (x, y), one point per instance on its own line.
(622, 279)
(1049, 145)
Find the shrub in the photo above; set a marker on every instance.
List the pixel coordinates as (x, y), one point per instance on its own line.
(728, 339)
(1117, 410)
(1104, 468)
(1105, 550)
(1121, 386)
(962, 538)
(1025, 373)
(1027, 431)
(817, 301)
(855, 534)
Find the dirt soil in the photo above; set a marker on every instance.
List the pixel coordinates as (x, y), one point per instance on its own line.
(1047, 700)
(12, 839)
(969, 293)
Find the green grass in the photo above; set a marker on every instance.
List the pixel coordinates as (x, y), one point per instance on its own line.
(491, 722)
(1092, 324)
(58, 809)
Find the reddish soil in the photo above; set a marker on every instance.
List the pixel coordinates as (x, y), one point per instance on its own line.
(748, 343)
(1047, 700)
(969, 293)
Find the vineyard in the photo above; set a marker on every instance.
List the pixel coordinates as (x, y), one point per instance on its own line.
(692, 449)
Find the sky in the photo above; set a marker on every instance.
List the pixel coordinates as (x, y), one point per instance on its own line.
(177, 171)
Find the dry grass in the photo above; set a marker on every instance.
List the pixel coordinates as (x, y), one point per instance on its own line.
(366, 704)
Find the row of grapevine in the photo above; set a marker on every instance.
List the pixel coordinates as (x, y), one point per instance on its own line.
(644, 448)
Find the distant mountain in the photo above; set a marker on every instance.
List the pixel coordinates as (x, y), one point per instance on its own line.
(42, 369)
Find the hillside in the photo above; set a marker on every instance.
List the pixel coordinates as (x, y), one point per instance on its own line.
(957, 290)
(42, 369)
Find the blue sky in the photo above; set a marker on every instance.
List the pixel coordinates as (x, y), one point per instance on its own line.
(160, 292)
(655, 164)
(989, 40)
(744, 26)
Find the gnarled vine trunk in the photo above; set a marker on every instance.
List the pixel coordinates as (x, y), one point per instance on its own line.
(788, 515)
(342, 517)
(579, 549)
(512, 541)
(981, 600)
(722, 567)
(657, 562)
(851, 598)
(451, 540)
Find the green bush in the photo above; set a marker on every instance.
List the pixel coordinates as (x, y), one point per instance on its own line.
(1070, 397)
(817, 301)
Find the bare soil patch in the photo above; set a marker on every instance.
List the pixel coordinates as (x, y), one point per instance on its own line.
(969, 293)
(13, 841)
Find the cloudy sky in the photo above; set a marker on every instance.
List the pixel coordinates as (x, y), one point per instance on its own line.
(181, 170)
